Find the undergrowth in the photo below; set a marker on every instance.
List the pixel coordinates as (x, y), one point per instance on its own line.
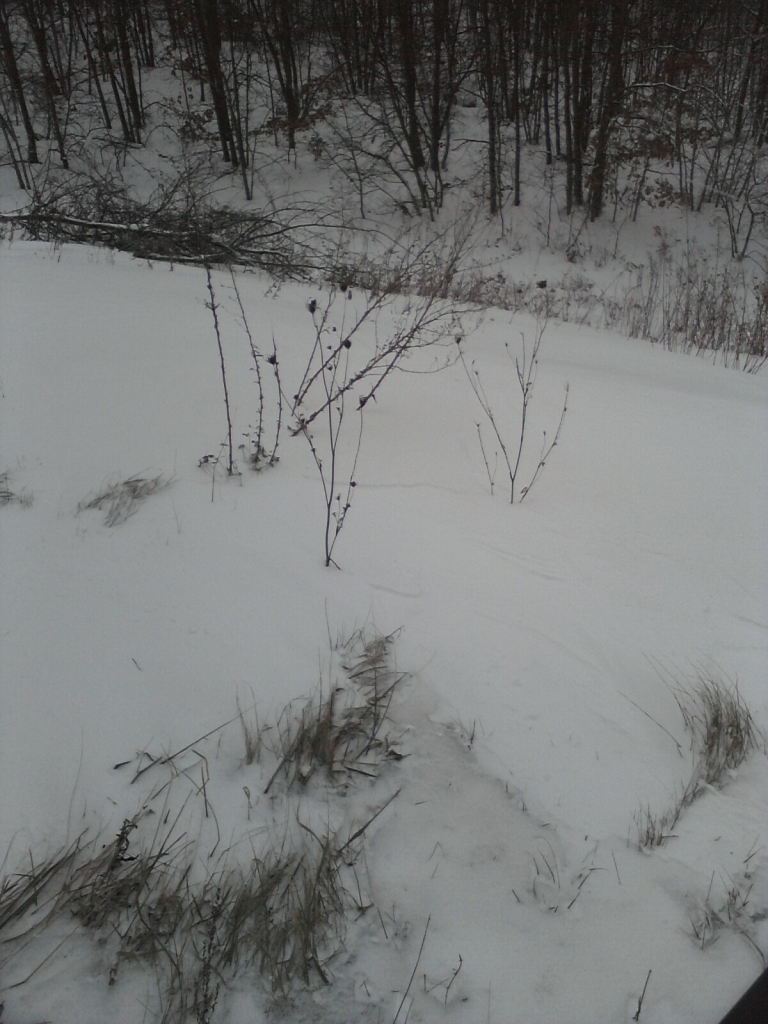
(683, 305)
(273, 902)
(686, 306)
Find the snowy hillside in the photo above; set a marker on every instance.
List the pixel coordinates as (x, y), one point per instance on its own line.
(514, 863)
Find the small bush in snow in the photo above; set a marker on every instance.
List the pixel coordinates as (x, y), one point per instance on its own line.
(341, 368)
(512, 444)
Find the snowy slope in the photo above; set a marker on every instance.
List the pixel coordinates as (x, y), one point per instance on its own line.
(541, 639)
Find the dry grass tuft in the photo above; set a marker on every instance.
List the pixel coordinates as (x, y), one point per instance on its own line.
(8, 497)
(731, 910)
(341, 732)
(655, 829)
(253, 731)
(122, 500)
(721, 727)
(27, 892)
(722, 735)
(283, 914)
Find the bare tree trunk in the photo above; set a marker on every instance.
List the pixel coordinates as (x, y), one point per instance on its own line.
(439, 20)
(491, 90)
(129, 80)
(610, 108)
(517, 74)
(209, 33)
(565, 48)
(93, 71)
(17, 87)
(32, 13)
(279, 24)
(14, 150)
(404, 17)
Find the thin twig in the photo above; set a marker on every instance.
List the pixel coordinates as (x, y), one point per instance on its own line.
(415, 968)
(453, 978)
(642, 997)
(679, 747)
(214, 308)
(491, 476)
(159, 762)
(256, 365)
(359, 832)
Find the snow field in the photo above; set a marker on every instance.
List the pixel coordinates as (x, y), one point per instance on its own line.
(542, 636)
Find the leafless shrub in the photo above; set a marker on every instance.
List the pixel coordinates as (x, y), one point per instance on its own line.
(428, 264)
(573, 298)
(212, 305)
(258, 454)
(122, 500)
(340, 363)
(254, 451)
(681, 305)
(330, 374)
(419, 324)
(512, 446)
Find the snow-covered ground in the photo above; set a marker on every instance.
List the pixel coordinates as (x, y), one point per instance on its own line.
(542, 640)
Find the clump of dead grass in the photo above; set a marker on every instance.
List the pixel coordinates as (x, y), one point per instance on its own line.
(142, 898)
(728, 906)
(721, 728)
(9, 497)
(341, 731)
(655, 829)
(722, 735)
(122, 500)
(154, 897)
(26, 892)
